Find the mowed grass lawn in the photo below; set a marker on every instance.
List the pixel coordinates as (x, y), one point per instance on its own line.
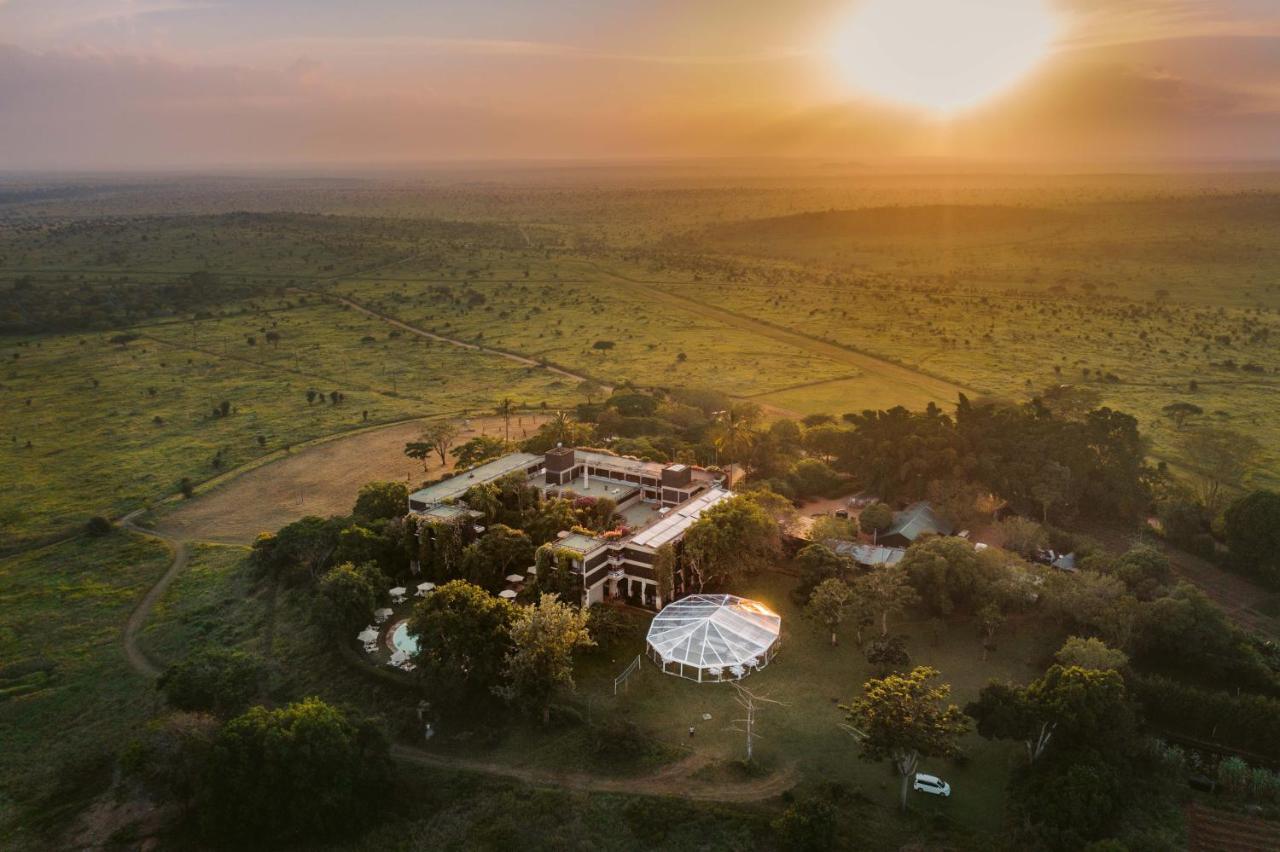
(810, 678)
(67, 693)
(91, 427)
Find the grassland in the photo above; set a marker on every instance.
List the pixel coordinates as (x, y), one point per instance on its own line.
(94, 427)
(67, 694)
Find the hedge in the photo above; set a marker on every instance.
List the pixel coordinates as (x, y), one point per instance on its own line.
(1247, 722)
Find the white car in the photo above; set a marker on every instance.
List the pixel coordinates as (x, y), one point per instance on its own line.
(932, 784)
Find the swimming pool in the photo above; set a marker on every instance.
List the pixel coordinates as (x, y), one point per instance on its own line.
(402, 641)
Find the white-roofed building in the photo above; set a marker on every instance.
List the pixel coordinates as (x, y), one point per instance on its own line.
(657, 502)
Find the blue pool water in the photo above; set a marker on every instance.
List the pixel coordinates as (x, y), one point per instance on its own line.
(401, 639)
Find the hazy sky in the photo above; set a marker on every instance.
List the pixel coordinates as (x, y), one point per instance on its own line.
(91, 84)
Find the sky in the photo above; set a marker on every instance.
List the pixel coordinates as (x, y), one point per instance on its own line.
(204, 84)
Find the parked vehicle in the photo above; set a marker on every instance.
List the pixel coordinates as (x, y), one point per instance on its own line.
(932, 785)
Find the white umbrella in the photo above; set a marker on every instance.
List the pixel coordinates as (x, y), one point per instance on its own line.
(398, 591)
(515, 578)
(426, 587)
(509, 594)
(368, 635)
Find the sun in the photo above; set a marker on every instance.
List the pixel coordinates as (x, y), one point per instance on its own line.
(944, 56)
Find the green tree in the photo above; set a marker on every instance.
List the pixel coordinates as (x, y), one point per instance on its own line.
(734, 537)
(540, 659)
(301, 549)
(591, 389)
(505, 409)
(481, 448)
(1023, 536)
(1091, 653)
(440, 436)
(990, 619)
(809, 825)
(734, 430)
(949, 574)
(817, 562)
(378, 500)
(348, 595)
(1220, 459)
(886, 653)
(1252, 529)
(1178, 412)
(171, 756)
(463, 634)
(829, 604)
(220, 681)
(301, 771)
(664, 571)
(886, 591)
(902, 718)
(876, 518)
(501, 551)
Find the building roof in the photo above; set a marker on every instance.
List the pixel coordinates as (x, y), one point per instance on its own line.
(868, 554)
(454, 487)
(579, 543)
(450, 513)
(916, 520)
(673, 524)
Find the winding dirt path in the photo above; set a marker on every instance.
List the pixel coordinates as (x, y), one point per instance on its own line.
(138, 660)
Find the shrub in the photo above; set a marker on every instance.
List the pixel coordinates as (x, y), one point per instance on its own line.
(99, 526)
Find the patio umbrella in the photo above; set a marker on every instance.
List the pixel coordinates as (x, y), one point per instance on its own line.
(508, 594)
(368, 635)
(398, 591)
(426, 587)
(515, 578)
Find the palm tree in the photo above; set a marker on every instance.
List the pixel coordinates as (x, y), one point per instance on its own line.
(504, 410)
(560, 426)
(734, 430)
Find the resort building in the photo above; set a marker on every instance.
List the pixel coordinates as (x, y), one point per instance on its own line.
(657, 502)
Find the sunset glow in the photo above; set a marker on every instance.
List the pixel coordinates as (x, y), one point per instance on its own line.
(941, 55)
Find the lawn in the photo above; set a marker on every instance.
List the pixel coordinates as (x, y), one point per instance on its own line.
(67, 694)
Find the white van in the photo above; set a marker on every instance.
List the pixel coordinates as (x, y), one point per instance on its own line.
(932, 784)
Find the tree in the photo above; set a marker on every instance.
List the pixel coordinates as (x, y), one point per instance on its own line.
(1023, 536)
(1178, 412)
(830, 528)
(171, 756)
(817, 562)
(540, 660)
(1091, 653)
(463, 634)
(502, 550)
(733, 537)
(887, 653)
(440, 436)
(807, 826)
(949, 574)
(349, 595)
(886, 591)
(901, 718)
(99, 526)
(1221, 459)
(733, 432)
(377, 500)
(505, 409)
(829, 604)
(876, 518)
(990, 619)
(1052, 487)
(300, 549)
(591, 389)
(301, 771)
(1252, 529)
(220, 681)
(751, 705)
(479, 449)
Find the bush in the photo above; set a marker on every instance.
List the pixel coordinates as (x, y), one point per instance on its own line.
(99, 526)
(1246, 722)
(212, 680)
(809, 824)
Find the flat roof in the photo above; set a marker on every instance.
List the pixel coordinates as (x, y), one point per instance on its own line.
(578, 543)
(449, 513)
(672, 525)
(454, 487)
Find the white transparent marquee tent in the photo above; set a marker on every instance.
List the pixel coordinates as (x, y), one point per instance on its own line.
(713, 637)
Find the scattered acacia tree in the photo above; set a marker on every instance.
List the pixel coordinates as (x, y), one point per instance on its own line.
(539, 661)
(379, 500)
(591, 389)
(829, 603)
(734, 537)
(220, 681)
(886, 591)
(301, 771)
(1091, 653)
(1178, 412)
(1252, 529)
(875, 519)
(463, 635)
(1222, 458)
(901, 718)
(440, 437)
